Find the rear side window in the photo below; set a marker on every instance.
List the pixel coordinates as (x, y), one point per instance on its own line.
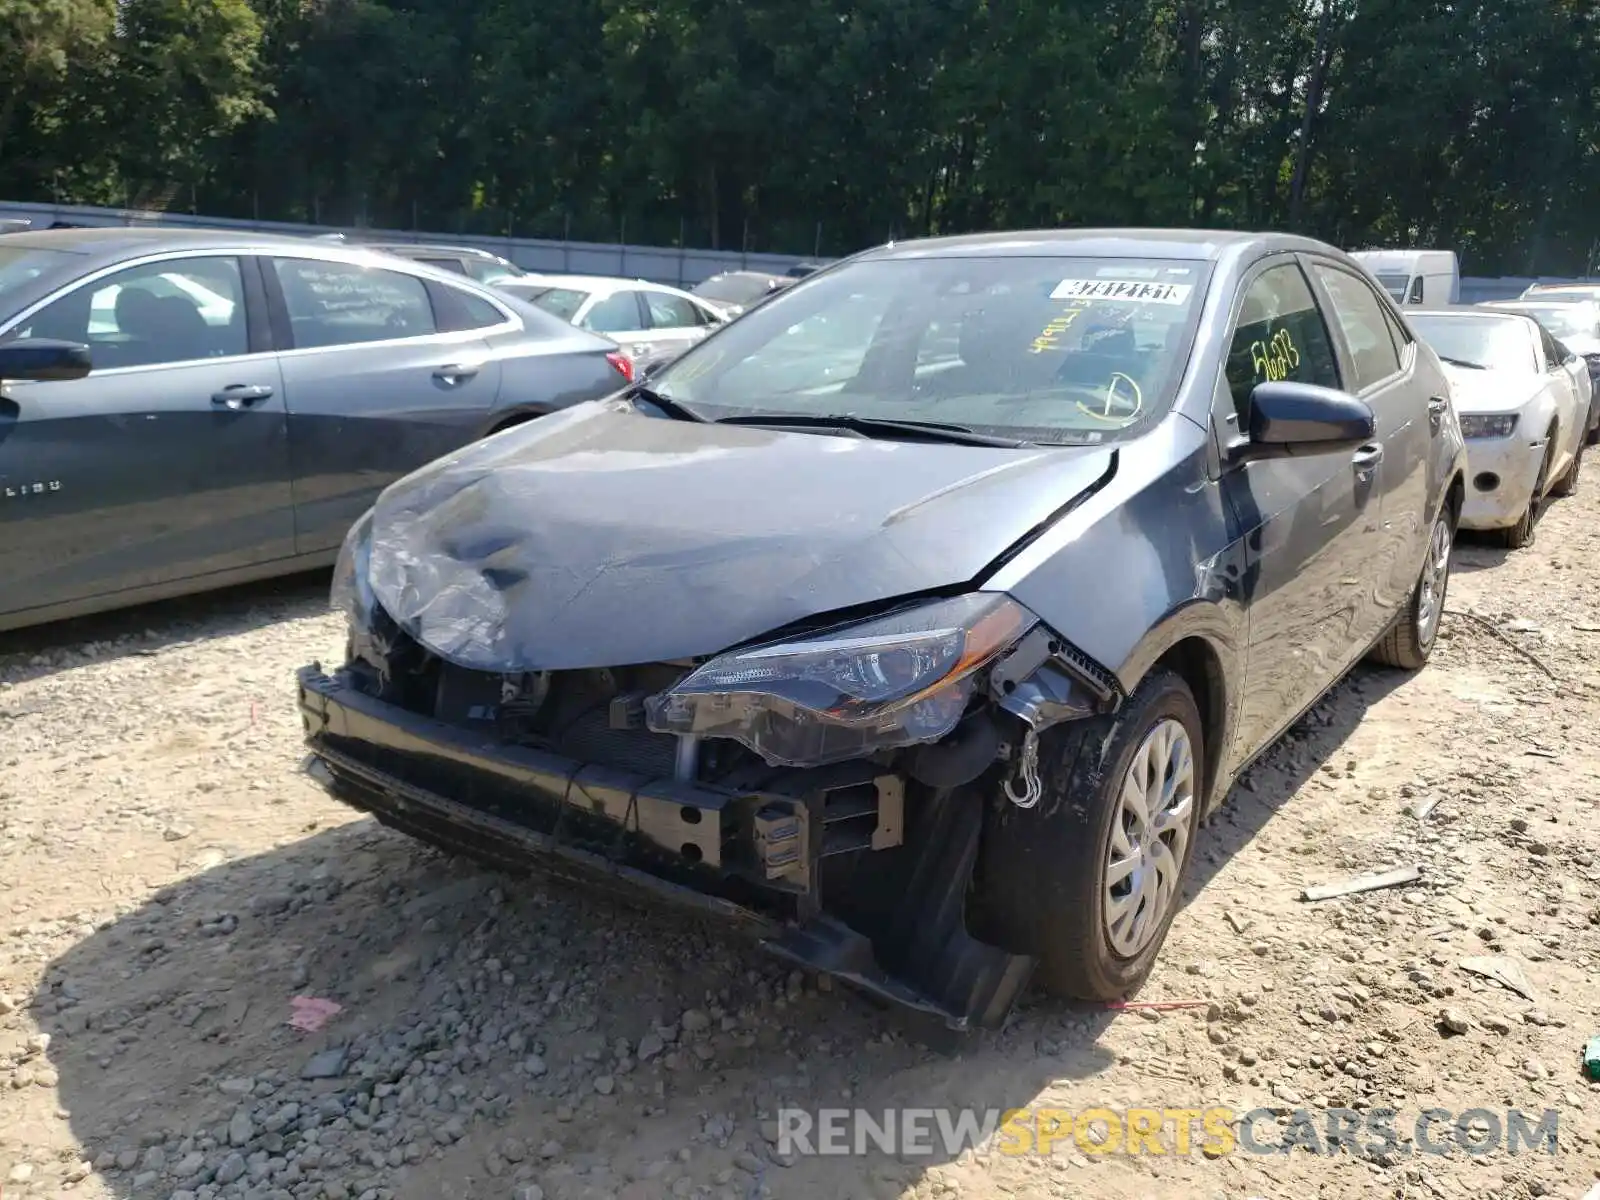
(1361, 318)
(339, 304)
(671, 312)
(1280, 335)
(457, 310)
(446, 264)
(615, 314)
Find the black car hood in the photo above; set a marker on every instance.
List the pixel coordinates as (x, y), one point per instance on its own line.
(599, 536)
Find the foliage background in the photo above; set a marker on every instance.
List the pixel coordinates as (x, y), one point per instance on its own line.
(825, 125)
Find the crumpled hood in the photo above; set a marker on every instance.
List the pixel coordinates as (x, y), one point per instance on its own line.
(1490, 391)
(599, 536)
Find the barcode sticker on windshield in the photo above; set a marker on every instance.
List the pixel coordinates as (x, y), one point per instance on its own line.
(1131, 290)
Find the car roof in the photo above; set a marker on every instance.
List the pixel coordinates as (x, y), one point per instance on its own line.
(431, 248)
(116, 241)
(1204, 245)
(603, 285)
(1486, 309)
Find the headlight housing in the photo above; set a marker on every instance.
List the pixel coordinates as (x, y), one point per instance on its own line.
(849, 691)
(351, 590)
(1488, 425)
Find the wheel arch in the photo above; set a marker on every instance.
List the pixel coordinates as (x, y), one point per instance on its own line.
(1195, 660)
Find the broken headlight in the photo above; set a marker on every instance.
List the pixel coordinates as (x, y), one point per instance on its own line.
(849, 691)
(351, 590)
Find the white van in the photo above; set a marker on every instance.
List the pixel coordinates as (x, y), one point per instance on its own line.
(1431, 277)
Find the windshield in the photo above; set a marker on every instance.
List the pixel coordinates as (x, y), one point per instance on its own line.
(1566, 320)
(1070, 350)
(733, 289)
(560, 302)
(1495, 343)
(23, 264)
(1394, 283)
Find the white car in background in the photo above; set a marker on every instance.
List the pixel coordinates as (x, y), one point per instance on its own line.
(1575, 325)
(1523, 401)
(653, 323)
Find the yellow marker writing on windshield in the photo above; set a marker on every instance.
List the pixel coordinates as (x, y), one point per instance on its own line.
(1132, 395)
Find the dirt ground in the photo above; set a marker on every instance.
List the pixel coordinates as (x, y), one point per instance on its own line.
(168, 883)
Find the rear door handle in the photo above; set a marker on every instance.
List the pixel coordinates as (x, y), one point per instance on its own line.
(456, 372)
(241, 395)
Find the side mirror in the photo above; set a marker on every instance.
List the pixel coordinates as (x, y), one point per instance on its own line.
(44, 360)
(1288, 419)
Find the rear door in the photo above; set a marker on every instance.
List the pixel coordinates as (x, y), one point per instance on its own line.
(169, 460)
(1309, 525)
(1384, 374)
(676, 323)
(1562, 367)
(383, 371)
(622, 317)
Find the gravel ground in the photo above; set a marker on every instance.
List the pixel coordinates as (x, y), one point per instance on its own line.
(168, 883)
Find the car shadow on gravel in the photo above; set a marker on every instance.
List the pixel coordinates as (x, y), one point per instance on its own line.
(146, 629)
(1306, 748)
(475, 1006)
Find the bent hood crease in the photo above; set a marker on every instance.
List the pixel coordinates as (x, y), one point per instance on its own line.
(602, 537)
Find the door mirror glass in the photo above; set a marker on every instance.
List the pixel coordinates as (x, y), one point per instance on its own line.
(1288, 418)
(46, 360)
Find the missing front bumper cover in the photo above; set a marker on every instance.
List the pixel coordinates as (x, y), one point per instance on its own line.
(752, 860)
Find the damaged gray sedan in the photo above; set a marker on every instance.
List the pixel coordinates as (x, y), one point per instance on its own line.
(914, 620)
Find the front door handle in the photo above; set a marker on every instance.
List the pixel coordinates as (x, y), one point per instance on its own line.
(1366, 459)
(241, 395)
(454, 373)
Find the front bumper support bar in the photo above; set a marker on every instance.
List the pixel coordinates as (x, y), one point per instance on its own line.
(435, 781)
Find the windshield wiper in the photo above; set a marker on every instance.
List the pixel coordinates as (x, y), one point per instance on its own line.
(672, 408)
(1461, 362)
(931, 430)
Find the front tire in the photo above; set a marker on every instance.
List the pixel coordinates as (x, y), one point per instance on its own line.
(1568, 483)
(1520, 535)
(1410, 639)
(1089, 879)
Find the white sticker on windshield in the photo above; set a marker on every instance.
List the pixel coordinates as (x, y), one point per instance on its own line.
(1130, 290)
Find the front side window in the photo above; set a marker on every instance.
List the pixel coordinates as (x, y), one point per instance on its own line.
(174, 311)
(1394, 284)
(557, 301)
(1046, 349)
(338, 303)
(1361, 318)
(1418, 290)
(445, 264)
(1280, 335)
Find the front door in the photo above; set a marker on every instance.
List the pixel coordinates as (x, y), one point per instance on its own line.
(168, 461)
(1308, 525)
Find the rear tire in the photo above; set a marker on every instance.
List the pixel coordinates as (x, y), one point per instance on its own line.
(1044, 870)
(1410, 639)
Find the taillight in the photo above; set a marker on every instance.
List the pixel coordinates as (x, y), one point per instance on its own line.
(622, 363)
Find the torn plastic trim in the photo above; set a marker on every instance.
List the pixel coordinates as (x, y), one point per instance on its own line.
(1046, 680)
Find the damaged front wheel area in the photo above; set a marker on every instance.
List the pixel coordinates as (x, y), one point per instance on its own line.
(1088, 879)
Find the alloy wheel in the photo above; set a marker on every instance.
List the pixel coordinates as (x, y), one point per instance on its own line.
(1149, 837)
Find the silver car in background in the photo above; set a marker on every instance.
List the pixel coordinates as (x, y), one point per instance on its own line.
(247, 398)
(653, 323)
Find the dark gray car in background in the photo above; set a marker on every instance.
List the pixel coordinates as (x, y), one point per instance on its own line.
(914, 619)
(249, 398)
